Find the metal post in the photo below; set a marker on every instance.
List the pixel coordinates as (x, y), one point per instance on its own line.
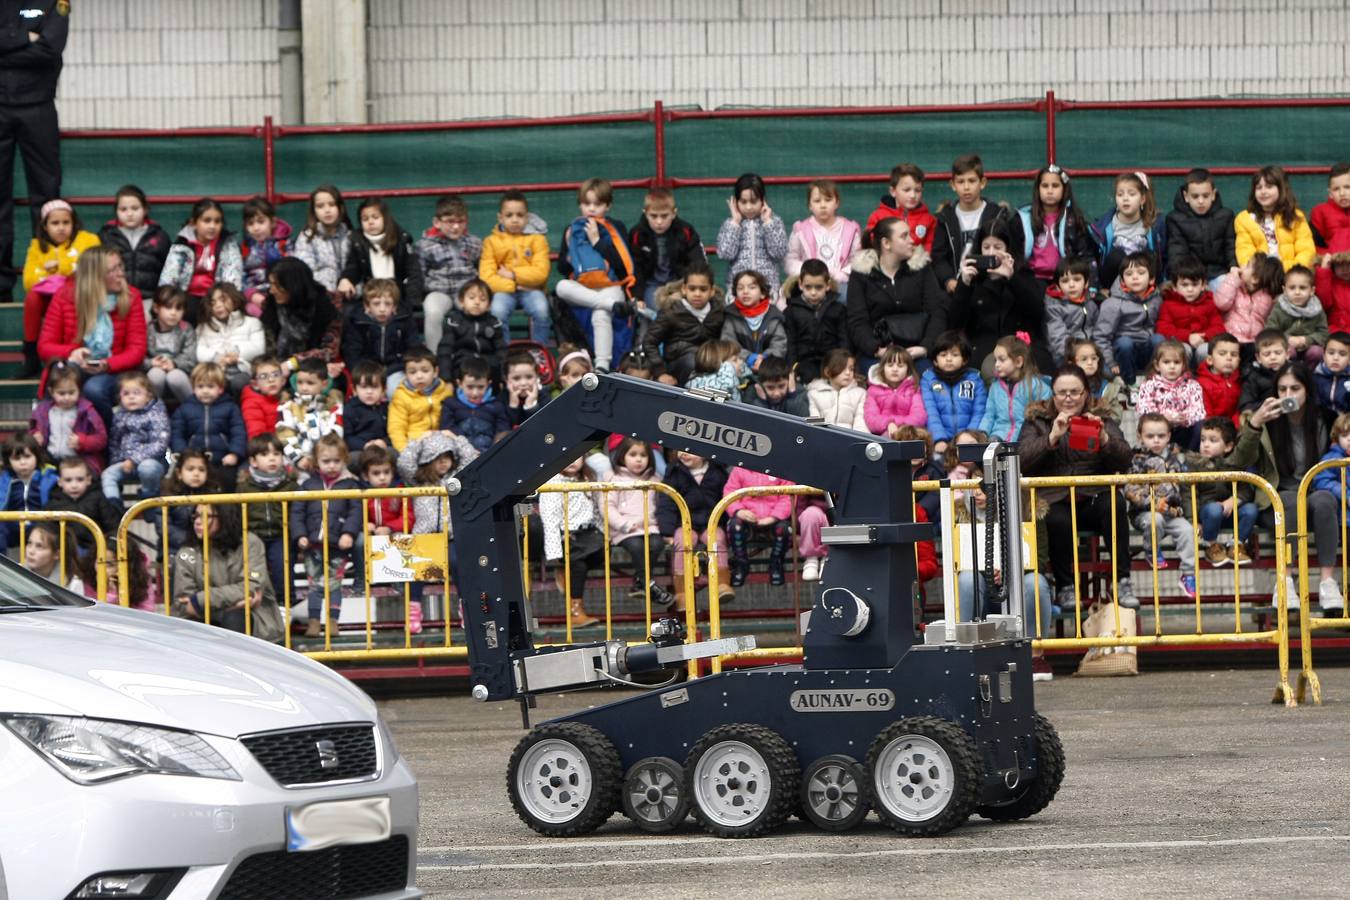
(948, 563)
(269, 160)
(659, 135)
(1010, 470)
(1049, 127)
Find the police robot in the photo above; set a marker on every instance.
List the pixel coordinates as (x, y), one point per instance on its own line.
(924, 727)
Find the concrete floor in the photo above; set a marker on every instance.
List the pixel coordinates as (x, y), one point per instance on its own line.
(1178, 784)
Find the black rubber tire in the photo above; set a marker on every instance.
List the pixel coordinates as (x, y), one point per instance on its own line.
(966, 773)
(674, 801)
(784, 778)
(606, 772)
(1037, 794)
(842, 820)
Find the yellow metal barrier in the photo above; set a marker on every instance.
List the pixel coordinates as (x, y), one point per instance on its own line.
(62, 518)
(446, 649)
(1278, 637)
(1308, 679)
(687, 576)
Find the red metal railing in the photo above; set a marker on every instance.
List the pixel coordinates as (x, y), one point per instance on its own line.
(659, 117)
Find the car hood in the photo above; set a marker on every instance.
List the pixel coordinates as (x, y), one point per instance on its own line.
(114, 663)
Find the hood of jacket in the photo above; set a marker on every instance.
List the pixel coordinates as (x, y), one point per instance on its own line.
(865, 261)
(790, 285)
(188, 235)
(671, 297)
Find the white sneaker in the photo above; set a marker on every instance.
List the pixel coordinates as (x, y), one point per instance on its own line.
(811, 569)
(1290, 593)
(1329, 596)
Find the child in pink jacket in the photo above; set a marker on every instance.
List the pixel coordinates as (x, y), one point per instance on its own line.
(894, 397)
(771, 513)
(632, 518)
(1170, 391)
(1245, 295)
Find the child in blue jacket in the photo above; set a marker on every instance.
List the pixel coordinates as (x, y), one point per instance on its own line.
(25, 483)
(343, 533)
(1016, 383)
(211, 421)
(953, 391)
(472, 411)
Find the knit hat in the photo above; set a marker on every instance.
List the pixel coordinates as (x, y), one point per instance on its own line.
(52, 206)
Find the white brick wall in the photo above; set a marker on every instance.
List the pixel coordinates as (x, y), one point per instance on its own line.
(174, 63)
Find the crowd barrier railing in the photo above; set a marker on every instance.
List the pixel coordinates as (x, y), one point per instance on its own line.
(1308, 626)
(1202, 633)
(62, 519)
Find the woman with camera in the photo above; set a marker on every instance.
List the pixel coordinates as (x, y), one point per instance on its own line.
(893, 297)
(1069, 435)
(998, 296)
(1282, 439)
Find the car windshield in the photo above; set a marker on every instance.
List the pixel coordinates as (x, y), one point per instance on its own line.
(21, 590)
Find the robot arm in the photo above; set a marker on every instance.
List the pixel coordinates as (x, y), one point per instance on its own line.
(870, 478)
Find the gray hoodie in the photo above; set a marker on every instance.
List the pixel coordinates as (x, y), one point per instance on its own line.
(1124, 315)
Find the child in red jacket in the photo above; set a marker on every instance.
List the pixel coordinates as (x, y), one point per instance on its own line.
(1331, 217)
(1219, 379)
(1333, 281)
(904, 200)
(259, 400)
(1188, 313)
(384, 515)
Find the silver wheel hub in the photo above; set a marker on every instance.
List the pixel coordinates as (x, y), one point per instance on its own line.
(914, 778)
(731, 783)
(654, 794)
(554, 781)
(833, 793)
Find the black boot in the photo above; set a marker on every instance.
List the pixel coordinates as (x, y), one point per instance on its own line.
(740, 570)
(661, 596)
(776, 554)
(31, 364)
(740, 552)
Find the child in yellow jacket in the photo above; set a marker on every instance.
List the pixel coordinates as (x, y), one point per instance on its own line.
(515, 265)
(58, 245)
(1271, 205)
(415, 407)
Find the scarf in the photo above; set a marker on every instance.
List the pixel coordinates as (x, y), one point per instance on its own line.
(951, 379)
(99, 341)
(1310, 310)
(265, 481)
(429, 389)
(381, 263)
(754, 312)
(699, 314)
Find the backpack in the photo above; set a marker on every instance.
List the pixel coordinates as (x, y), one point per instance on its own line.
(590, 268)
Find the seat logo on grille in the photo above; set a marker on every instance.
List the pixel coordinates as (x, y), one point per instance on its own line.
(328, 756)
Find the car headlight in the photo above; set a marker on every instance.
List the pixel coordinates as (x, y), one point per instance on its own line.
(90, 751)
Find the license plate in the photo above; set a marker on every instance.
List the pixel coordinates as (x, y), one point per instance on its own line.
(334, 822)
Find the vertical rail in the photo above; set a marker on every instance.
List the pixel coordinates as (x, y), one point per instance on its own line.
(1050, 148)
(659, 138)
(269, 160)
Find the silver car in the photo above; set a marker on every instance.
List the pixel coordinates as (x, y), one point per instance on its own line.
(148, 757)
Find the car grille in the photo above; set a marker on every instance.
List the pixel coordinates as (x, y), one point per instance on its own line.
(294, 757)
(355, 870)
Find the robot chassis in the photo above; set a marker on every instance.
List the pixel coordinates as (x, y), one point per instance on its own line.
(925, 729)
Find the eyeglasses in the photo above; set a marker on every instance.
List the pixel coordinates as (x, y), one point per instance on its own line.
(1070, 393)
(268, 376)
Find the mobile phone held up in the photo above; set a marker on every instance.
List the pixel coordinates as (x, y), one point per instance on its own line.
(1085, 434)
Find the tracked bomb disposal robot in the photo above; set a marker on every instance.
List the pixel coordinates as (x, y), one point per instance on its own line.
(924, 729)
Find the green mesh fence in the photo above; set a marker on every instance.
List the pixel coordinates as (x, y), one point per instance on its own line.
(702, 148)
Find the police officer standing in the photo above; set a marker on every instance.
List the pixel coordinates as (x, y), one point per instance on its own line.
(32, 39)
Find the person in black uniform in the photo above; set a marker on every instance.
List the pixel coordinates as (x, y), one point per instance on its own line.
(32, 39)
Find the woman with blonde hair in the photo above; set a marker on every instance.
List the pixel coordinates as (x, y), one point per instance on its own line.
(96, 322)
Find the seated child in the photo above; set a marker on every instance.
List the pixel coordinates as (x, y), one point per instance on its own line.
(776, 389)
(264, 242)
(1299, 315)
(752, 239)
(1245, 296)
(574, 529)
(140, 439)
(633, 526)
(893, 394)
(191, 475)
(473, 411)
(266, 473)
(42, 552)
(825, 236)
(771, 513)
(210, 420)
(309, 415)
(815, 318)
(954, 396)
(328, 471)
(379, 330)
(596, 267)
(66, 424)
(1125, 324)
(1110, 391)
(718, 367)
(73, 494)
(1070, 311)
(1333, 282)
(365, 415)
(228, 337)
(1216, 499)
(1329, 594)
(1200, 226)
(664, 247)
(384, 515)
(1159, 510)
(415, 407)
(450, 257)
(258, 402)
(1272, 352)
(753, 322)
(836, 396)
(1332, 375)
(701, 482)
(171, 345)
(524, 393)
(689, 314)
(515, 265)
(26, 482)
(1170, 390)
(1188, 313)
(1016, 383)
(1219, 380)
(904, 200)
(471, 330)
(1331, 217)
